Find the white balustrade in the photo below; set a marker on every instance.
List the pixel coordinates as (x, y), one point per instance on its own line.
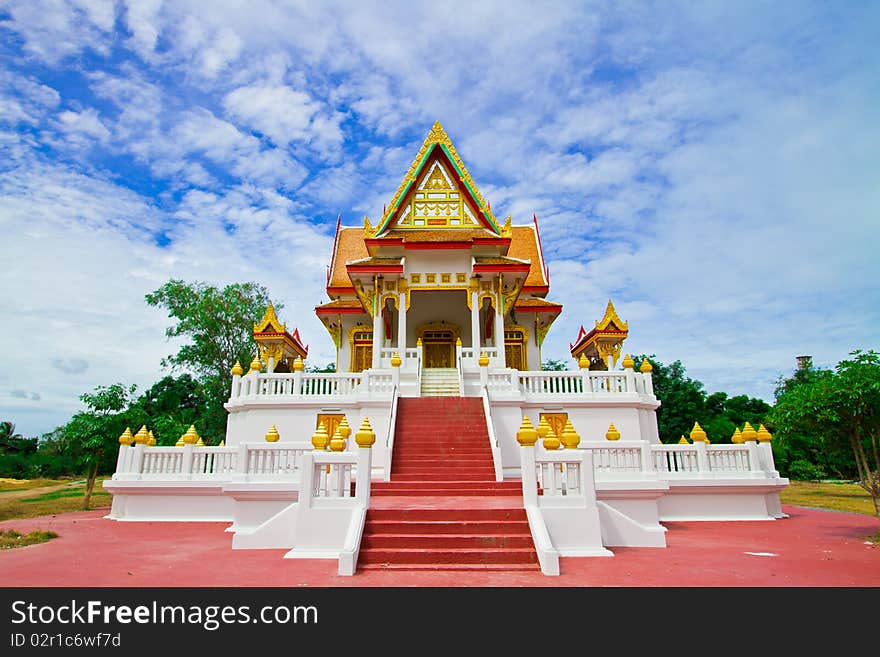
(499, 381)
(331, 385)
(276, 461)
(728, 458)
(380, 382)
(551, 383)
(559, 473)
(607, 382)
(675, 459)
(161, 462)
(616, 458)
(332, 479)
(209, 461)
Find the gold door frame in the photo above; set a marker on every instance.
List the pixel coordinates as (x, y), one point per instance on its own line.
(440, 327)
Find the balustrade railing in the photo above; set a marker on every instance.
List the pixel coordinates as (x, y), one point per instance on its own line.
(675, 459)
(728, 458)
(617, 458)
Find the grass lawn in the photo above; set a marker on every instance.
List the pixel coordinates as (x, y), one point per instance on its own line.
(12, 539)
(836, 496)
(25, 498)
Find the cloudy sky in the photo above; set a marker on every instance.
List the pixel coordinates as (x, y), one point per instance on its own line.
(714, 167)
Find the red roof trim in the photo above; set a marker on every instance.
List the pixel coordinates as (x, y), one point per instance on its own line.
(510, 267)
(340, 290)
(340, 311)
(384, 241)
(535, 289)
(432, 246)
(537, 309)
(376, 269)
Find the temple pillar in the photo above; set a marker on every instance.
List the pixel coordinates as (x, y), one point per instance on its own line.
(378, 339)
(499, 333)
(401, 326)
(475, 324)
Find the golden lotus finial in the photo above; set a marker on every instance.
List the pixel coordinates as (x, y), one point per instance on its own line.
(320, 438)
(237, 369)
(570, 437)
(628, 362)
(551, 442)
(142, 437)
(584, 362)
(697, 434)
(337, 442)
(646, 366)
(749, 433)
(612, 433)
(764, 436)
(272, 435)
(527, 436)
(365, 436)
(683, 440)
(256, 365)
(126, 438)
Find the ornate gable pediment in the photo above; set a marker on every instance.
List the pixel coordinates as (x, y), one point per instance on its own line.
(611, 320)
(269, 323)
(437, 192)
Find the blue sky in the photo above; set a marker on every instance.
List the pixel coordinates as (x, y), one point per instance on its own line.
(712, 167)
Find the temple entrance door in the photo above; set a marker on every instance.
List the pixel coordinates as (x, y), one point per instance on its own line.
(361, 350)
(438, 347)
(513, 355)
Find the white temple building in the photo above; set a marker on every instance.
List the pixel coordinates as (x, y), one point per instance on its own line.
(439, 443)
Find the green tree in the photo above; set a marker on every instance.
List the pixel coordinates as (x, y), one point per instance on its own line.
(553, 365)
(95, 431)
(329, 368)
(218, 326)
(171, 405)
(683, 400)
(843, 407)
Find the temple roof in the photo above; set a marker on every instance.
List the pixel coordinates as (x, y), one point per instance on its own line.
(349, 246)
(341, 307)
(537, 305)
(610, 327)
(438, 168)
(525, 245)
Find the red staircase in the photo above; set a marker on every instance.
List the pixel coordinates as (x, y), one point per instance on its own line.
(443, 509)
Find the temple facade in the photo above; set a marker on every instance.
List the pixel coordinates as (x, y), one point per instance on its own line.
(438, 312)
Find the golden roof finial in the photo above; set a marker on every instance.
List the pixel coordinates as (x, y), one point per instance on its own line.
(369, 231)
(507, 229)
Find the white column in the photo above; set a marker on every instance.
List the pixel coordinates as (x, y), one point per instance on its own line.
(499, 335)
(401, 327)
(475, 324)
(378, 340)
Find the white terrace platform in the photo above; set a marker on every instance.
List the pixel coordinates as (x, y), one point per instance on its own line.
(579, 502)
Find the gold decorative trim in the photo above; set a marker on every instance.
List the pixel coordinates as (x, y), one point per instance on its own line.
(367, 298)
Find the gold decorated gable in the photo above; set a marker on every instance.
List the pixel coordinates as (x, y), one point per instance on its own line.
(611, 320)
(429, 196)
(269, 321)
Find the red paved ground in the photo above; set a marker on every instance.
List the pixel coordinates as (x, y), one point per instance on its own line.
(811, 548)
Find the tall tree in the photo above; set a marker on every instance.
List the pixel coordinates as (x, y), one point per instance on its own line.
(843, 407)
(683, 400)
(218, 326)
(95, 431)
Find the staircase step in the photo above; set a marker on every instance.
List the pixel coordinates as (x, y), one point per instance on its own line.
(448, 555)
(473, 567)
(446, 541)
(423, 527)
(452, 474)
(440, 492)
(448, 514)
